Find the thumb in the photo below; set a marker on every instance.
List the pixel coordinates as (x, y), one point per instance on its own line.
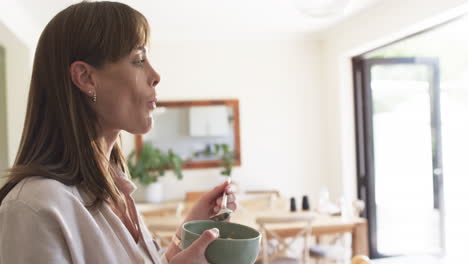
(205, 239)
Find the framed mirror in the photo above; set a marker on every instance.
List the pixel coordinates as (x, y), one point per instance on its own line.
(194, 130)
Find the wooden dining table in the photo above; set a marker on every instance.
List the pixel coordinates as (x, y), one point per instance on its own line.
(165, 215)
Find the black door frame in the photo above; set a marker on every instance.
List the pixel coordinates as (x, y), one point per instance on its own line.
(364, 139)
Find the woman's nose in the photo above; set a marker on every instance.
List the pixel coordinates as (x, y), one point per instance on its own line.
(155, 79)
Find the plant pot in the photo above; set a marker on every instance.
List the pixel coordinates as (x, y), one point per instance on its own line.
(151, 193)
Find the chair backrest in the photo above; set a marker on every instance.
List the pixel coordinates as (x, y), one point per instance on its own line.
(162, 233)
(266, 192)
(259, 200)
(267, 228)
(194, 196)
(149, 210)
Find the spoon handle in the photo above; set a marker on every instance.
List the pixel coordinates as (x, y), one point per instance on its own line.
(224, 201)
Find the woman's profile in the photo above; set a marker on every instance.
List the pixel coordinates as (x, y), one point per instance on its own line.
(67, 196)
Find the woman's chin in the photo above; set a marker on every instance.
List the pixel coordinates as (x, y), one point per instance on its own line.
(143, 128)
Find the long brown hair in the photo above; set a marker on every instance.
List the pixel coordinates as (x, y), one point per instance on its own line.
(59, 139)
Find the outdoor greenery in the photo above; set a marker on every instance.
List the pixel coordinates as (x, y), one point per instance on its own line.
(152, 163)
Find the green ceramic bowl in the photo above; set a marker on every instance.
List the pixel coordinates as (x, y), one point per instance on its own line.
(237, 244)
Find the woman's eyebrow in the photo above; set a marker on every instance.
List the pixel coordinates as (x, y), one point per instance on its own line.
(141, 49)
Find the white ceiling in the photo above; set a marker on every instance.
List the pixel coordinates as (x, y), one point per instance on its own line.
(195, 19)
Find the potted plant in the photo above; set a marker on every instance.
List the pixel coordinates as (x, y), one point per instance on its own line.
(146, 169)
(224, 153)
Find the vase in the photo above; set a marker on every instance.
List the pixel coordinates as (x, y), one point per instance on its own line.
(151, 193)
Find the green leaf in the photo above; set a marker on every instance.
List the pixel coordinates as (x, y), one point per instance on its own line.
(153, 163)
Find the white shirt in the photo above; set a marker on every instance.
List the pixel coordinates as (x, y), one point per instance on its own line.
(45, 221)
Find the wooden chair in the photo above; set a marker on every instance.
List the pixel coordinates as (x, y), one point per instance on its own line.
(148, 210)
(277, 252)
(193, 196)
(162, 233)
(332, 250)
(258, 200)
(276, 193)
(328, 253)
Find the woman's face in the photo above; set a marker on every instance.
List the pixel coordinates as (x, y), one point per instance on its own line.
(126, 94)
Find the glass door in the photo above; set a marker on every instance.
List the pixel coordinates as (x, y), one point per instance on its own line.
(399, 154)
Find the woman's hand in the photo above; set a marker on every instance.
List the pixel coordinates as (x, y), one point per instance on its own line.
(210, 203)
(195, 254)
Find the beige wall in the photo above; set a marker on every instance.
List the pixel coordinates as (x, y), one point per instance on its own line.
(276, 77)
(277, 81)
(379, 25)
(295, 95)
(18, 71)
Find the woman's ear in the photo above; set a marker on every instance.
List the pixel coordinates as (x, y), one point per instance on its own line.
(83, 76)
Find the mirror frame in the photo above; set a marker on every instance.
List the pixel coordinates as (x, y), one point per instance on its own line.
(234, 103)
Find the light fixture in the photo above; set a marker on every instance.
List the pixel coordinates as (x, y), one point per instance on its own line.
(321, 8)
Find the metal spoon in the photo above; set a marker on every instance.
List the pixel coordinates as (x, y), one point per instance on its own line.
(224, 212)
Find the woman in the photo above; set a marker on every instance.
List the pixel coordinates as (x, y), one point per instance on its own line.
(67, 197)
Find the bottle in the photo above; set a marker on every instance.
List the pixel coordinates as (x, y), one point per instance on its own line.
(292, 206)
(305, 203)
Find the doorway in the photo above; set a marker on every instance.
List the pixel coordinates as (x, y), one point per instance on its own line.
(401, 175)
(411, 104)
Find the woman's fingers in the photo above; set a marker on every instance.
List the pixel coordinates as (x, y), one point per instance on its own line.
(232, 205)
(230, 198)
(218, 192)
(230, 188)
(215, 192)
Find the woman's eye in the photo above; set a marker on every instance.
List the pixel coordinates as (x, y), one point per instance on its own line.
(140, 62)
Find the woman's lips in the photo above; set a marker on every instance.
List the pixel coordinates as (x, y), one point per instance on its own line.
(152, 104)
